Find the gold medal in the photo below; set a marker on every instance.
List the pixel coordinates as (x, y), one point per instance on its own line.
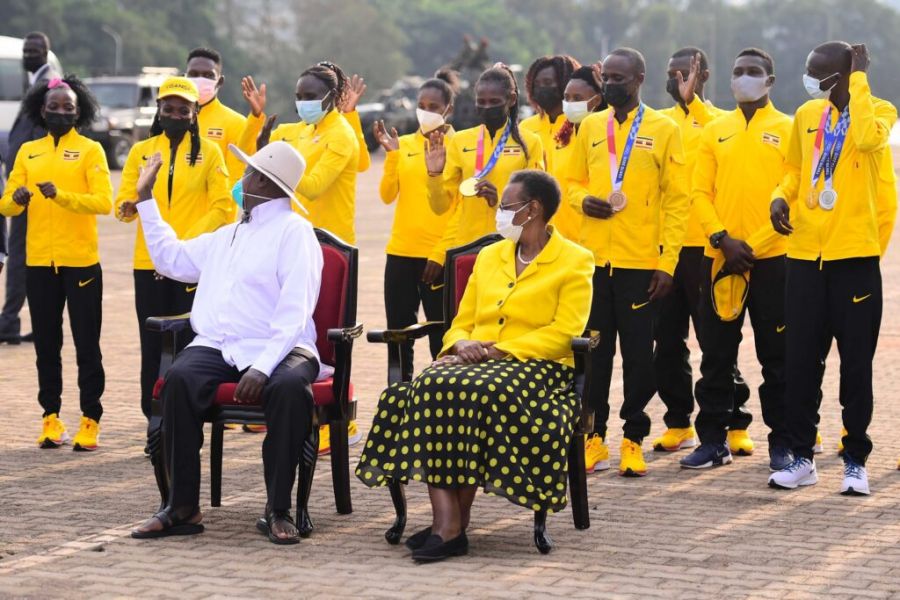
(467, 187)
(812, 199)
(827, 199)
(618, 200)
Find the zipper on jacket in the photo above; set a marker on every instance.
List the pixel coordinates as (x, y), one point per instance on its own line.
(172, 155)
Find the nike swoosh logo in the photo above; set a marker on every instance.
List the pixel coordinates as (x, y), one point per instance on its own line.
(595, 144)
(637, 306)
(725, 139)
(190, 288)
(30, 156)
(812, 130)
(413, 153)
(861, 298)
(84, 283)
(143, 157)
(779, 329)
(435, 288)
(468, 149)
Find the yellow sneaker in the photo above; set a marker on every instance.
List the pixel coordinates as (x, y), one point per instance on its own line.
(675, 439)
(739, 442)
(254, 428)
(841, 441)
(632, 462)
(818, 447)
(86, 438)
(353, 437)
(53, 432)
(596, 454)
(232, 426)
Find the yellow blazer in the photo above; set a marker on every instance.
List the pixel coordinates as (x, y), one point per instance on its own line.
(534, 315)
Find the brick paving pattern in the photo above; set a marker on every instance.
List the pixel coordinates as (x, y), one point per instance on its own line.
(65, 516)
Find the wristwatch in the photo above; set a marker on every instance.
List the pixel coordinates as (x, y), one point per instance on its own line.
(715, 240)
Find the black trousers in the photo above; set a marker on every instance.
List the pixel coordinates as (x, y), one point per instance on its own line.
(404, 291)
(15, 275)
(621, 308)
(80, 289)
(719, 342)
(187, 398)
(671, 359)
(839, 299)
(158, 298)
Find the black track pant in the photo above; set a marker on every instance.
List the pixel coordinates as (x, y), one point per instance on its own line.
(839, 299)
(188, 396)
(80, 289)
(404, 291)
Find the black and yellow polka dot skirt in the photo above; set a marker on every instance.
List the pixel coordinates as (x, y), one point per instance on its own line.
(504, 425)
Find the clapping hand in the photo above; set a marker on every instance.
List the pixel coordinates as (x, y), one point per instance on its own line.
(255, 97)
(389, 141)
(147, 177)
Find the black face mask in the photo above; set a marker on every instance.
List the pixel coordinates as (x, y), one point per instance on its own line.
(672, 90)
(547, 97)
(174, 127)
(59, 124)
(616, 94)
(493, 117)
(33, 63)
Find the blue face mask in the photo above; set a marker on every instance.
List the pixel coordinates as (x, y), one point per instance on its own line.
(311, 111)
(238, 193)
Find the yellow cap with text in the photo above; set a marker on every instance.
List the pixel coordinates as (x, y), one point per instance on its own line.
(178, 86)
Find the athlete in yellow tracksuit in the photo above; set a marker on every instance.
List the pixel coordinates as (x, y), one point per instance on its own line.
(836, 219)
(63, 181)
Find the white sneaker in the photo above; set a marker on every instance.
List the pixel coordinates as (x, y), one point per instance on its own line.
(855, 483)
(800, 472)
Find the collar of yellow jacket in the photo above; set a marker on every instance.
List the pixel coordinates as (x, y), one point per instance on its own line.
(421, 139)
(328, 120)
(211, 106)
(68, 137)
(548, 253)
(760, 113)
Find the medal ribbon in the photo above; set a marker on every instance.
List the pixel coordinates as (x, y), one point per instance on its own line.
(481, 169)
(826, 158)
(616, 169)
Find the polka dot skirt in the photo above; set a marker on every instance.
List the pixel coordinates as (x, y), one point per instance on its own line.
(504, 425)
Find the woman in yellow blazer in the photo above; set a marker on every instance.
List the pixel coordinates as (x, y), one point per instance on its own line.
(497, 410)
(331, 147)
(497, 146)
(194, 198)
(63, 181)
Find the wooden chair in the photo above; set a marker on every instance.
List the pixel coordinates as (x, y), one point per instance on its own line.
(457, 270)
(335, 405)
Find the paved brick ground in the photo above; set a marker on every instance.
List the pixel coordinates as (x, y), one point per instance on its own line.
(64, 517)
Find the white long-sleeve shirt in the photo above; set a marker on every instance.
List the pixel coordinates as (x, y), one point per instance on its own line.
(257, 283)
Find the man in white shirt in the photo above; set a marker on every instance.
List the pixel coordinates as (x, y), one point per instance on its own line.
(257, 287)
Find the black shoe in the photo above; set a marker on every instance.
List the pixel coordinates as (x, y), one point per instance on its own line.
(27, 338)
(707, 455)
(435, 548)
(417, 540)
(13, 339)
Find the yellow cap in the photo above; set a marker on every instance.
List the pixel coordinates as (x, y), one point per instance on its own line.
(728, 291)
(179, 86)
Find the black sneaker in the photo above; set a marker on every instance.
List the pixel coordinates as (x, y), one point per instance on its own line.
(779, 458)
(435, 548)
(707, 455)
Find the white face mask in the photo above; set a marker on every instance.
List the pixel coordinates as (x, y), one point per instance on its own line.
(429, 121)
(576, 111)
(206, 87)
(748, 88)
(504, 219)
(814, 87)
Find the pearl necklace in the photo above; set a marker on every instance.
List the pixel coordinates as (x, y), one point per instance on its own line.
(522, 260)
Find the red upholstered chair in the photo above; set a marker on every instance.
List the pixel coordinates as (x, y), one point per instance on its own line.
(336, 329)
(458, 268)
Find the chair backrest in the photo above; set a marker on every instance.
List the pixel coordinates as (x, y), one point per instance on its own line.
(337, 296)
(457, 269)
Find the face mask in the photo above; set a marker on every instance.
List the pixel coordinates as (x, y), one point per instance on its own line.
(616, 94)
(174, 127)
(546, 97)
(429, 121)
(59, 124)
(311, 111)
(576, 111)
(238, 194)
(33, 63)
(504, 220)
(747, 88)
(672, 90)
(206, 87)
(814, 86)
(493, 117)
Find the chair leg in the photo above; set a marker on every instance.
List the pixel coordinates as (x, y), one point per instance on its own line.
(215, 463)
(308, 457)
(158, 458)
(340, 466)
(542, 539)
(398, 496)
(578, 483)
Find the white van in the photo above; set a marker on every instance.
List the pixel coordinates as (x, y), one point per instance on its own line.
(13, 82)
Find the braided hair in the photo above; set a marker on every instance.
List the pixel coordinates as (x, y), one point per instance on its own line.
(332, 76)
(445, 81)
(590, 74)
(88, 109)
(502, 74)
(193, 130)
(563, 66)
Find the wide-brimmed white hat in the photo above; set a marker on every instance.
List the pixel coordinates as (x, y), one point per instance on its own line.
(280, 162)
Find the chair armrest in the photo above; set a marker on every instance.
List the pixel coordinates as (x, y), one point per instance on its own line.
(173, 323)
(585, 345)
(407, 334)
(344, 334)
